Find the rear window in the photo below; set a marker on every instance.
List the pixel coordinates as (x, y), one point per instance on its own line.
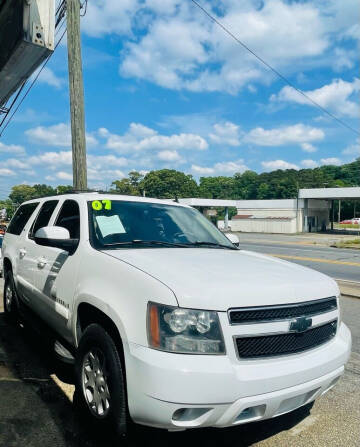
(21, 218)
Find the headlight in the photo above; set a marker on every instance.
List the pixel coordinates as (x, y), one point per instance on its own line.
(175, 329)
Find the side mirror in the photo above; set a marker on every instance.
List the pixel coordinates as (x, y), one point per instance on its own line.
(233, 239)
(57, 237)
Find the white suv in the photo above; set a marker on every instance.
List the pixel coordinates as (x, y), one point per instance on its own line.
(170, 324)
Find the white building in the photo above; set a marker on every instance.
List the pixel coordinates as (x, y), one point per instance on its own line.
(313, 210)
(280, 216)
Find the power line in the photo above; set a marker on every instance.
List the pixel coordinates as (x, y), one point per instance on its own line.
(281, 76)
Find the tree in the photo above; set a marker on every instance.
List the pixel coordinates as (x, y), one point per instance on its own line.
(135, 178)
(124, 186)
(169, 183)
(21, 193)
(63, 189)
(217, 187)
(43, 190)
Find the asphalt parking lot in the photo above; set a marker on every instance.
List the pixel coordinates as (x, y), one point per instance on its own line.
(36, 406)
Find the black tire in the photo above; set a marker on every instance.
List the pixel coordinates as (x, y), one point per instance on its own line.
(97, 341)
(11, 310)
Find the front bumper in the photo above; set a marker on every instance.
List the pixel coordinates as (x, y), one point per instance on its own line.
(175, 391)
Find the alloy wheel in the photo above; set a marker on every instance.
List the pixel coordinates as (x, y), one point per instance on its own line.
(94, 383)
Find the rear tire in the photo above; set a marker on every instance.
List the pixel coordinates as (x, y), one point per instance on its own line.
(11, 310)
(100, 383)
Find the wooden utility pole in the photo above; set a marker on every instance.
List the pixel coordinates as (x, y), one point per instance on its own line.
(76, 95)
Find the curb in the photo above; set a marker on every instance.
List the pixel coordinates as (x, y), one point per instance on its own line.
(349, 288)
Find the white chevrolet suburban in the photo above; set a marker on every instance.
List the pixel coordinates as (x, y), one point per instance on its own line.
(170, 324)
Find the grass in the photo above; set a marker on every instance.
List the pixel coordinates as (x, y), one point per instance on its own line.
(349, 243)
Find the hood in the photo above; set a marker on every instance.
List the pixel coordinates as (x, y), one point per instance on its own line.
(217, 279)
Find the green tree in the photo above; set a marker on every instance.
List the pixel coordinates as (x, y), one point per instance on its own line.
(43, 190)
(217, 187)
(63, 189)
(21, 193)
(169, 183)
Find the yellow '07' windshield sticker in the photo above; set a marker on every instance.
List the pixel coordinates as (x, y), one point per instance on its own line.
(98, 205)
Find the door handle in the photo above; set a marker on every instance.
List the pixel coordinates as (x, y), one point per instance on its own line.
(41, 262)
(22, 252)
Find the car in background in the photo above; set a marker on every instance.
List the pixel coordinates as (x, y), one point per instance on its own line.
(2, 230)
(355, 220)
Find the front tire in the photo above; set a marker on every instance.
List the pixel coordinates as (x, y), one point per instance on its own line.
(10, 298)
(100, 384)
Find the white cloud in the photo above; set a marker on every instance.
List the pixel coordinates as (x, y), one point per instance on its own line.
(181, 48)
(169, 156)
(106, 162)
(309, 164)
(334, 96)
(202, 170)
(227, 133)
(296, 134)
(64, 175)
(57, 135)
(278, 164)
(47, 76)
(111, 16)
(111, 174)
(307, 147)
(16, 164)
(6, 172)
(100, 163)
(331, 161)
(353, 149)
(11, 149)
(226, 167)
(52, 159)
(139, 138)
(230, 167)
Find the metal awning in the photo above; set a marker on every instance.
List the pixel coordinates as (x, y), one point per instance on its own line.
(350, 193)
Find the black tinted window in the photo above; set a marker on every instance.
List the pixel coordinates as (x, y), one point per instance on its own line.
(69, 218)
(44, 216)
(21, 218)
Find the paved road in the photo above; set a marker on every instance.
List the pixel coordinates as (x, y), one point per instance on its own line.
(335, 262)
(36, 407)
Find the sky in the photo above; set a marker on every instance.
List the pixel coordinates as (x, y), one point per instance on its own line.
(165, 87)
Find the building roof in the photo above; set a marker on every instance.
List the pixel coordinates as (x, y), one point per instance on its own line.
(195, 201)
(330, 193)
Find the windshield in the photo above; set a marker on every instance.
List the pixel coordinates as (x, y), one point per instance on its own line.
(116, 224)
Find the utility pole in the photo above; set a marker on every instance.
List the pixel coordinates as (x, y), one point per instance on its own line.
(76, 88)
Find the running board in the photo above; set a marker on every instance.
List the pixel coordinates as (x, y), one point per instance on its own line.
(64, 354)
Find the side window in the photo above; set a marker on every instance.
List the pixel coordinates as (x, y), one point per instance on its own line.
(21, 218)
(69, 218)
(43, 217)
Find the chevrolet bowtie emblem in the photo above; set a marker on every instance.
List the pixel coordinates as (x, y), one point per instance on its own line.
(300, 324)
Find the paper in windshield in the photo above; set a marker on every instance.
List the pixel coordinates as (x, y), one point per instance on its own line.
(110, 225)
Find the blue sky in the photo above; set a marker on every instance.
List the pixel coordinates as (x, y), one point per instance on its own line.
(166, 88)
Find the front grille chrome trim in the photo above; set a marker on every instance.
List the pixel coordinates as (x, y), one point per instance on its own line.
(281, 306)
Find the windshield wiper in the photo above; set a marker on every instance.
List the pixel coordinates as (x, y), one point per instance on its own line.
(144, 242)
(210, 244)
